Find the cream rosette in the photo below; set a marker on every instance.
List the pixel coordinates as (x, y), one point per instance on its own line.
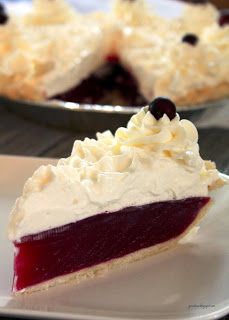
(144, 139)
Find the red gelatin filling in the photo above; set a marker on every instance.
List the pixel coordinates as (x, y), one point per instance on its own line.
(100, 238)
(111, 84)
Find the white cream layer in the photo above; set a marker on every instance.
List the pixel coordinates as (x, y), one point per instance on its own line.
(146, 162)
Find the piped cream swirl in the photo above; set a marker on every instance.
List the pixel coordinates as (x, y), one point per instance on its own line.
(144, 134)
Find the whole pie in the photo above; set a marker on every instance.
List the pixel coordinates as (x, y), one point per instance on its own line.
(130, 53)
(116, 199)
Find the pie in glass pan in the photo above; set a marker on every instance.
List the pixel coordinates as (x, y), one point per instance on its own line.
(126, 56)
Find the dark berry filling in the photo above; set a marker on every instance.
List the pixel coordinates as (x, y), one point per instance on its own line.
(100, 238)
(190, 38)
(160, 106)
(109, 85)
(224, 17)
(3, 15)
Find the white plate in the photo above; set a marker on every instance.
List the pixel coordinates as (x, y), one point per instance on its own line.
(189, 282)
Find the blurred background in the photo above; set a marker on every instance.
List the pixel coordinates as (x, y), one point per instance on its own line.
(30, 135)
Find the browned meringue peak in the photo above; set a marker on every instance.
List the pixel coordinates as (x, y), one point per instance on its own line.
(195, 18)
(163, 65)
(50, 12)
(191, 69)
(137, 13)
(204, 66)
(218, 37)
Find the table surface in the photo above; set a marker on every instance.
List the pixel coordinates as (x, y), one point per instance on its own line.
(19, 136)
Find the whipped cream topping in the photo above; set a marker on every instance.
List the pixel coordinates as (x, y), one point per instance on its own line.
(148, 161)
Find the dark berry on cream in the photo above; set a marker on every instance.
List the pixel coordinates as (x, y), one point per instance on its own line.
(224, 17)
(190, 38)
(160, 106)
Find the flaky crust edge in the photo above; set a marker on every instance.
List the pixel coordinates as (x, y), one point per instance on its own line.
(33, 92)
(210, 165)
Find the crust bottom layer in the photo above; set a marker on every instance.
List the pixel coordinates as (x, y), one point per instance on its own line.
(33, 92)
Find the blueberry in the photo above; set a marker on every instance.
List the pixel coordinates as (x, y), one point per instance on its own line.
(3, 15)
(224, 17)
(190, 38)
(160, 106)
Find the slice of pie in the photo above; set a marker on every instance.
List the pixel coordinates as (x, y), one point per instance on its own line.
(116, 199)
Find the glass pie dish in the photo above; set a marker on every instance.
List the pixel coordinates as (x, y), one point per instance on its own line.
(91, 117)
(101, 111)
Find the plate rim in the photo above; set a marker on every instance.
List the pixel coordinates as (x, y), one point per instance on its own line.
(114, 315)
